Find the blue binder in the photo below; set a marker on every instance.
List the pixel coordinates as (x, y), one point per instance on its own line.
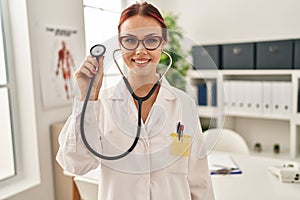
(202, 94)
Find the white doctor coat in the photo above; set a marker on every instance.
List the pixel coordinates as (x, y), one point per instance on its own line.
(150, 171)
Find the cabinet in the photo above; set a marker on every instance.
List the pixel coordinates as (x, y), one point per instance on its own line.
(256, 124)
(62, 184)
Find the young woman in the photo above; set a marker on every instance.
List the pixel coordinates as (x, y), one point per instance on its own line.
(166, 162)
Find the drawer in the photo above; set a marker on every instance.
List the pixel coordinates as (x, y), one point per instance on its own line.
(297, 55)
(206, 57)
(238, 56)
(274, 55)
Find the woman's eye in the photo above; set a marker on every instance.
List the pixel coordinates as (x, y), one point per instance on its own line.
(151, 40)
(130, 40)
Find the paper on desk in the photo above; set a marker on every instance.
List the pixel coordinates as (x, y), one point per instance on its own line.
(220, 162)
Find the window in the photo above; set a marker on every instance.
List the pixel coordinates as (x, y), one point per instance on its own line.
(101, 20)
(19, 159)
(7, 164)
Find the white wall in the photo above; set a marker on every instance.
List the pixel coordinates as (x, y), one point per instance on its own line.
(226, 21)
(53, 12)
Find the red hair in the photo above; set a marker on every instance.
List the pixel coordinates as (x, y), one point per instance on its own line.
(147, 10)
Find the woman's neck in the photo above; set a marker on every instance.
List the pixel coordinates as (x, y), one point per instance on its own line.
(141, 85)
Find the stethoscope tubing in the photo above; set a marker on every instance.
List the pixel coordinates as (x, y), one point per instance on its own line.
(139, 99)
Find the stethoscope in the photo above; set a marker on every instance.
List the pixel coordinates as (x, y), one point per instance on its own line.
(97, 51)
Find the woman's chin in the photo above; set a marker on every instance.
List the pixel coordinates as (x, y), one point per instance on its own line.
(145, 71)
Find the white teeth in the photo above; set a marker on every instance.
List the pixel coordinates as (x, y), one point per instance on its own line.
(141, 61)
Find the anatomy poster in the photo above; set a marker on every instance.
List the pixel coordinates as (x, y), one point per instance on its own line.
(61, 49)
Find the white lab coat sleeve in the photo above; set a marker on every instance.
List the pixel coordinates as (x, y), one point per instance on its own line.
(198, 173)
(72, 155)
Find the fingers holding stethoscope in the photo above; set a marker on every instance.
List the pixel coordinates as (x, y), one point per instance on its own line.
(90, 67)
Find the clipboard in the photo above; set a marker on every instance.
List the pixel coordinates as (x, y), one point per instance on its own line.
(222, 164)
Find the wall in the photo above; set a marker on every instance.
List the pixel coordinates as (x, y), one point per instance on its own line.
(212, 21)
(53, 12)
(226, 21)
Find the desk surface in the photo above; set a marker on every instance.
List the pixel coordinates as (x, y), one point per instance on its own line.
(255, 183)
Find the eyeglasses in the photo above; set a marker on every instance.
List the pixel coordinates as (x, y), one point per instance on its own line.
(131, 42)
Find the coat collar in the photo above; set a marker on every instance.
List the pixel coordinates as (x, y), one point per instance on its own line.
(166, 92)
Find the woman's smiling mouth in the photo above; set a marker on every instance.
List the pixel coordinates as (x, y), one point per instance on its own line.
(141, 62)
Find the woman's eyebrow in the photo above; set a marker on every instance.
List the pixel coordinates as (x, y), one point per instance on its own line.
(151, 34)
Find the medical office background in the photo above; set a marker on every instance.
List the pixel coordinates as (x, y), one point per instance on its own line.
(205, 22)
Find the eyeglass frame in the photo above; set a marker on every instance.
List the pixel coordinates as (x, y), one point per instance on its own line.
(141, 41)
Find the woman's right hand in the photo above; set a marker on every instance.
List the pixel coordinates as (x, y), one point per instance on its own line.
(89, 67)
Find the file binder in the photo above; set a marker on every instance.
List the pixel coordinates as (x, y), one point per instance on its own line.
(209, 92)
(202, 94)
(227, 95)
(276, 98)
(267, 97)
(257, 97)
(281, 96)
(286, 97)
(234, 96)
(239, 85)
(214, 94)
(248, 97)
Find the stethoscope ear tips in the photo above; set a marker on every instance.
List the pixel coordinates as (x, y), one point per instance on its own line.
(97, 50)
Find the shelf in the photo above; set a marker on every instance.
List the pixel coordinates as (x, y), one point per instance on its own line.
(258, 115)
(212, 112)
(204, 74)
(268, 128)
(208, 111)
(257, 72)
(268, 154)
(216, 73)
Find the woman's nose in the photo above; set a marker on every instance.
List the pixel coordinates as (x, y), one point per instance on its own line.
(141, 49)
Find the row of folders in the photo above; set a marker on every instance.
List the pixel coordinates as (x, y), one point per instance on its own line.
(259, 97)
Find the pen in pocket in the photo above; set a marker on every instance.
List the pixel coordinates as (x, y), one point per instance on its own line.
(178, 130)
(181, 132)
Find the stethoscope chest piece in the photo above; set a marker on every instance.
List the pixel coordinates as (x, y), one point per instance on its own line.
(97, 50)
